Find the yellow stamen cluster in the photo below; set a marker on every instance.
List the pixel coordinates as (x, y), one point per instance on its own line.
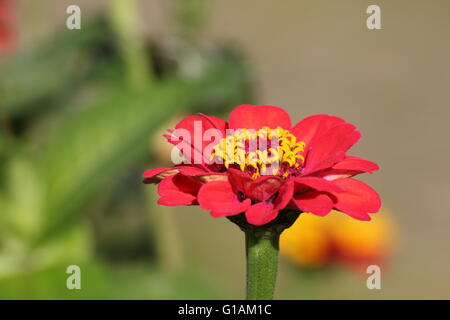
(262, 152)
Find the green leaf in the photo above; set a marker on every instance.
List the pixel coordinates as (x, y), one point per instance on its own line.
(40, 76)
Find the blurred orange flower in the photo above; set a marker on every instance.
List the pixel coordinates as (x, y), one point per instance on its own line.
(316, 242)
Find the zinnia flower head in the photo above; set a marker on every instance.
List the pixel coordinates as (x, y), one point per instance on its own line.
(257, 163)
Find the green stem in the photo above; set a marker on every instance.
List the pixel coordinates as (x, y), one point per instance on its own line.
(261, 246)
(262, 263)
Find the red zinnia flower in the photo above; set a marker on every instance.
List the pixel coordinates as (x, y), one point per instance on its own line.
(261, 165)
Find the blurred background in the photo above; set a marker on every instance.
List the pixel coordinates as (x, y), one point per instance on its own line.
(82, 113)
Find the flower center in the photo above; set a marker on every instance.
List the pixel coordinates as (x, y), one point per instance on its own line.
(262, 152)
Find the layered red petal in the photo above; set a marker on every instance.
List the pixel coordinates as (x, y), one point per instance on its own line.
(312, 127)
(316, 183)
(357, 198)
(349, 167)
(193, 134)
(259, 189)
(318, 203)
(284, 195)
(265, 211)
(178, 190)
(220, 199)
(331, 147)
(255, 117)
(357, 164)
(157, 174)
(261, 213)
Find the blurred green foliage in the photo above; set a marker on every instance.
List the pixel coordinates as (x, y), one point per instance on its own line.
(102, 281)
(73, 125)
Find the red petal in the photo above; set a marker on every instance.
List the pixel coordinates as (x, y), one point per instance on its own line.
(264, 187)
(318, 184)
(178, 190)
(191, 171)
(261, 213)
(195, 127)
(207, 122)
(314, 202)
(356, 163)
(331, 147)
(313, 127)
(201, 174)
(239, 179)
(174, 198)
(260, 189)
(215, 122)
(285, 195)
(157, 174)
(255, 117)
(220, 199)
(357, 200)
(349, 167)
(211, 177)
